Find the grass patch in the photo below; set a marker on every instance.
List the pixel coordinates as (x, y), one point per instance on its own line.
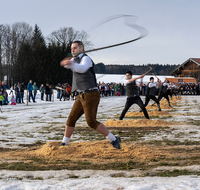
(118, 175)
(171, 142)
(175, 173)
(127, 134)
(73, 176)
(38, 178)
(193, 132)
(3, 117)
(7, 125)
(141, 117)
(39, 142)
(194, 122)
(69, 165)
(60, 116)
(55, 138)
(26, 134)
(166, 117)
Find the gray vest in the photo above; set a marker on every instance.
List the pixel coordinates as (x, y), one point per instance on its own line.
(84, 81)
(132, 89)
(163, 88)
(151, 91)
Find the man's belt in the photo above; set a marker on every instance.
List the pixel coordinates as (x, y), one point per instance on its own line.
(86, 91)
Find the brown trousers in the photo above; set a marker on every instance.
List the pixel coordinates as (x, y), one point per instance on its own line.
(85, 104)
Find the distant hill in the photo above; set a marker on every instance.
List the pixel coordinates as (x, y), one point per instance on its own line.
(157, 69)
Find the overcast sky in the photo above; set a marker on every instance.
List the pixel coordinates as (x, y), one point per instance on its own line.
(173, 26)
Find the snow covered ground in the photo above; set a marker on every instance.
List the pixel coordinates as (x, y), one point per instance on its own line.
(27, 124)
(103, 181)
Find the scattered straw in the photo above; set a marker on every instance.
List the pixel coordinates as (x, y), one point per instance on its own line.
(136, 123)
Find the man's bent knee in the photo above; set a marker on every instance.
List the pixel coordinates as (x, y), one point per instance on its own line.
(70, 123)
(93, 124)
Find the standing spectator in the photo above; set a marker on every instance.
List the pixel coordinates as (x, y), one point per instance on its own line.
(5, 95)
(102, 89)
(5, 86)
(122, 90)
(116, 89)
(68, 91)
(58, 91)
(17, 93)
(119, 88)
(35, 88)
(108, 90)
(30, 89)
(197, 88)
(105, 90)
(42, 91)
(63, 92)
(47, 91)
(143, 90)
(11, 90)
(1, 100)
(113, 90)
(50, 92)
(22, 88)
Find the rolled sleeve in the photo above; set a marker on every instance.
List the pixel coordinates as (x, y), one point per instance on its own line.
(81, 67)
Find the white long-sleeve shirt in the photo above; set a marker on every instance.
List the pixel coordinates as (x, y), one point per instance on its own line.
(152, 84)
(81, 67)
(128, 81)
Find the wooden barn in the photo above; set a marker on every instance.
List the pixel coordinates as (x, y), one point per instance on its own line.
(190, 68)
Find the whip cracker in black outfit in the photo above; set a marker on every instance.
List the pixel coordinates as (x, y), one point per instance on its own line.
(150, 93)
(133, 94)
(163, 91)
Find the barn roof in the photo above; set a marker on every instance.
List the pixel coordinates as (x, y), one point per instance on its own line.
(195, 60)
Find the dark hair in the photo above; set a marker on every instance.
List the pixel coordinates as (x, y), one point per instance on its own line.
(129, 72)
(151, 78)
(80, 44)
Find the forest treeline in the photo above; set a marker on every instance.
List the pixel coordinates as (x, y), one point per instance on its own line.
(26, 54)
(157, 69)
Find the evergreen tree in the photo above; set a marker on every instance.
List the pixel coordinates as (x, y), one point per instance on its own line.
(23, 67)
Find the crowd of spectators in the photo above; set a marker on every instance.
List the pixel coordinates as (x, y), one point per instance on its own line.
(64, 91)
(17, 92)
(190, 89)
(118, 89)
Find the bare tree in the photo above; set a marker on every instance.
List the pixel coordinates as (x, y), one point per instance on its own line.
(1, 50)
(12, 37)
(67, 35)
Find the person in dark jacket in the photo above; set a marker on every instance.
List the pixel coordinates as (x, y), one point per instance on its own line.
(59, 91)
(22, 88)
(35, 88)
(17, 93)
(50, 92)
(47, 91)
(63, 92)
(30, 91)
(42, 91)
